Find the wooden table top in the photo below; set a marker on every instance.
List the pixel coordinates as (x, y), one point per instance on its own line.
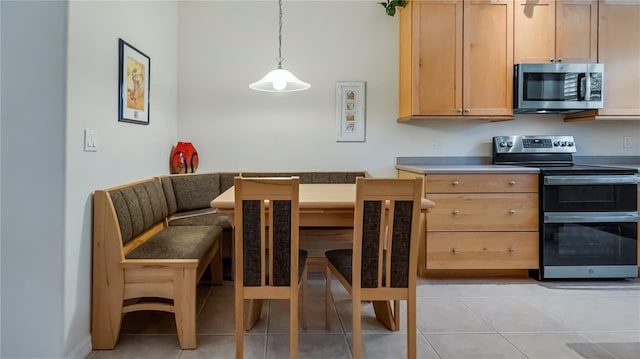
(313, 197)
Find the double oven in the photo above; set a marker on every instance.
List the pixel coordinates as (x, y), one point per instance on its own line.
(588, 214)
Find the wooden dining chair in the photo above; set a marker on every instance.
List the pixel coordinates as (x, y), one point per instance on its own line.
(382, 266)
(268, 262)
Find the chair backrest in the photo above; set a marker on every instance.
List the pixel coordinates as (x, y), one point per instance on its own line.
(253, 220)
(386, 232)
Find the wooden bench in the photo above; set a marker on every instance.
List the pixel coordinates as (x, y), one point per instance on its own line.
(142, 263)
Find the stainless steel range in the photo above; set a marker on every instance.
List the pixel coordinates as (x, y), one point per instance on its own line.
(588, 214)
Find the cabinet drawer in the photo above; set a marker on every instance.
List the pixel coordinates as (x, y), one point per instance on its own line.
(473, 183)
(482, 250)
(483, 212)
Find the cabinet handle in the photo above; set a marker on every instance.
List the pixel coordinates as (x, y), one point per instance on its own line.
(512, 211)
(552, 60)
(454, 250)
(459, 109)
(511, 250)
(467, 110)
(560, 60)
(455, 183)
(455, 212)
(512, 183)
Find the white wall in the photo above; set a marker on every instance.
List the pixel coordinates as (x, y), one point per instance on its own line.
(33, 173)
(126, 152)
(225, 45)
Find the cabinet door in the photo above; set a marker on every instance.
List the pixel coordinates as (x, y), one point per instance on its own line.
(437, 54)
(534, 31)
(488, 58)
(577, 31)
(619, 51)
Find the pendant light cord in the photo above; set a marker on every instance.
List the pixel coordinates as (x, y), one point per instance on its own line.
(280, 59)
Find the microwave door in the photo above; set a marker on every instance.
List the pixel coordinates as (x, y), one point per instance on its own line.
(594, 85)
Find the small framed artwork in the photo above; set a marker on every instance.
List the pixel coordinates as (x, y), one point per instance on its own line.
(133, 85)
(350, 114)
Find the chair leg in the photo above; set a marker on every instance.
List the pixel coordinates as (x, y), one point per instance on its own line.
(411, 328)
(303, 289)
(293, 326)
(184, 302)
(239, 305)
(396, 313)
(356, 332)
(327, 298)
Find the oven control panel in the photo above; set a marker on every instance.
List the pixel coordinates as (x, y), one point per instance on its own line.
(534, 144)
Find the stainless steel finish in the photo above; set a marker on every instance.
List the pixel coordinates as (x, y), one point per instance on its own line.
(590, 217)
(545, 107)
(591, 180)
(515, 144)
(613, 271)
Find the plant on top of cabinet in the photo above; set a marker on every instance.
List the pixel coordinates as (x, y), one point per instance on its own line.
(390, 6)
(456, 60)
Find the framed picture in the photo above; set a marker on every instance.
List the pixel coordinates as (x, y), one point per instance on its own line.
(133, 86)
(350, 116)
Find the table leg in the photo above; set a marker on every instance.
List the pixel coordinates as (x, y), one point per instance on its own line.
(384, 314)
(253, 313)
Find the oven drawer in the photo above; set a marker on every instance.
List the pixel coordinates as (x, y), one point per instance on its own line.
(482, 250)
(483, 212)
(473, 183)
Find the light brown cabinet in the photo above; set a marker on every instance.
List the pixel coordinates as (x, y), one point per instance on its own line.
(456, 59)
(480, 221)
(555, 31)
(619, 51)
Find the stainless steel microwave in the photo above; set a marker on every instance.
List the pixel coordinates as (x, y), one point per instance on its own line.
(557, 88)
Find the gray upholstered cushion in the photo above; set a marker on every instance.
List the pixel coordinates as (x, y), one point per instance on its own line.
(138, 207)
(342, 259)
(195, 191)
(208, 219)
(167, 187)
(178, 242)
(313, 177)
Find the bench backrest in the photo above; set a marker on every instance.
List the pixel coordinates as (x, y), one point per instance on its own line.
(314, 177)
(188, 192)
(138, 207)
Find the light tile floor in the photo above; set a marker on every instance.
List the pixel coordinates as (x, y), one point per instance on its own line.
(462, 318)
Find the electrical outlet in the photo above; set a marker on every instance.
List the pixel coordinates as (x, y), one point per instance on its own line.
(437, 143)
(627, 142)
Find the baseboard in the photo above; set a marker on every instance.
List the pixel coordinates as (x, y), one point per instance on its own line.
(81, 350)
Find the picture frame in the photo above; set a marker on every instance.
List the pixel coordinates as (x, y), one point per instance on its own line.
(350, 111)
(134, 74)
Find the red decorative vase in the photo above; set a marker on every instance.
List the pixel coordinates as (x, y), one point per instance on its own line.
(184, 158)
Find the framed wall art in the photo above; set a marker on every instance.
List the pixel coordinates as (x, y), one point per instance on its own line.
(350, 111)
(133, 85)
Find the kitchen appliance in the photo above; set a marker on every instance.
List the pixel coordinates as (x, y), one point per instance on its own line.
(557, 88)
(588, 214)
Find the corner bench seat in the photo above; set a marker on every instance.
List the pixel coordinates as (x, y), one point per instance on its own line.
(142, 263)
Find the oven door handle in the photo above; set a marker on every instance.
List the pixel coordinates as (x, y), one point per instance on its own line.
(591, 217)
(591, 180)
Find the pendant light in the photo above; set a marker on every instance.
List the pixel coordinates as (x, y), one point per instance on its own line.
(279, 80)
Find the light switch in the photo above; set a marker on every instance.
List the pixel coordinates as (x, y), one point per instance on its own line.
(90, 140)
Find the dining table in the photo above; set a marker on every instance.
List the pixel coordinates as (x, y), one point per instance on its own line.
(320, 205)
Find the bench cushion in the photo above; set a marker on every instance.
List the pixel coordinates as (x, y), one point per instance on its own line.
(178, 242)
(207, 219)
(138, 207)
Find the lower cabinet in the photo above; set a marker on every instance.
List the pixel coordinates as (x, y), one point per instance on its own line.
(480, 221)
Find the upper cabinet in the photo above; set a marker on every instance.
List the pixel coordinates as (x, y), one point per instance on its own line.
(555, 31)
(619, 51)
(456, 59)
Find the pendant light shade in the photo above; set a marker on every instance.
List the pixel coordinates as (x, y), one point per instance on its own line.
(279, 80)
